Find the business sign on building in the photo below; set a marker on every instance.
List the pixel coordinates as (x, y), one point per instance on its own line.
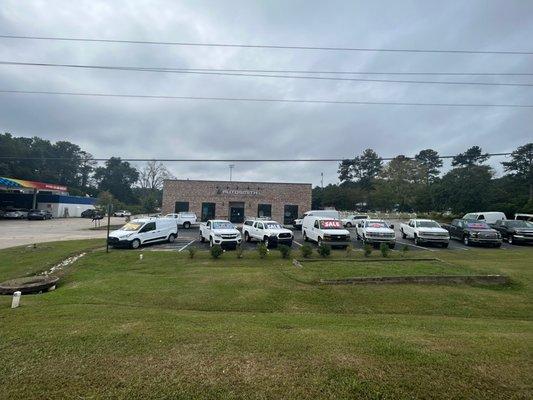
(239, 192)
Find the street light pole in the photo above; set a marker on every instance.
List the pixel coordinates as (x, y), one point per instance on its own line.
(230, 171)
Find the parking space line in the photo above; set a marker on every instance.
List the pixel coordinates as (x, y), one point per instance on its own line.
(295, 242)
(188, 244)
(418, 247)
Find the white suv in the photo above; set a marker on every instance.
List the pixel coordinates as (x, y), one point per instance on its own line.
(184, 219)
(325, 230)
(270, 232)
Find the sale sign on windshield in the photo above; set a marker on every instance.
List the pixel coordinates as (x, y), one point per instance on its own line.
(331, 224)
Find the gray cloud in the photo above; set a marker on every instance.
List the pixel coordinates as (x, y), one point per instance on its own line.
(162, 128)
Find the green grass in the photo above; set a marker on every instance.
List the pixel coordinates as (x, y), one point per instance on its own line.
(171, 327)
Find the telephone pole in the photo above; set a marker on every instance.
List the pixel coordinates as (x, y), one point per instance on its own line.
(231, 166)
(322, 180)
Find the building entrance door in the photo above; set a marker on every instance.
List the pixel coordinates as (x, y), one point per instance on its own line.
(236, 212)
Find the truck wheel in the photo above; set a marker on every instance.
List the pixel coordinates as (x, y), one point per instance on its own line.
(392, 245)
(404, 236)
(135, 244)
(246, 236)
(171, 238)
(348, 224)
(510, 239)
(306, 239)
(202, 239)
(445, 245)
(211, 244)
(466, 240)
(319, 242)
(417, 241)
(186, 224)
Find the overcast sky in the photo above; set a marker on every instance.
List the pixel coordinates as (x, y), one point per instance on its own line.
(175, 128)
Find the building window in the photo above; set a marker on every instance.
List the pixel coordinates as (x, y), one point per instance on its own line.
(181, 206)
(264, 210)
(290, 213)
(208, 211)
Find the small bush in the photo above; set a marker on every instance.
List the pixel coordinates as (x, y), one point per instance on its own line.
(239, 251)
(216, 251)
(349, 251)
(405, 249)
(385, 249)
(306, 250)
(368, 250)
(324, 250)
(262, 249)
(284, 250)
(192, 252)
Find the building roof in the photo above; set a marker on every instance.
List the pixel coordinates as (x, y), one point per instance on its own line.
(236, 182)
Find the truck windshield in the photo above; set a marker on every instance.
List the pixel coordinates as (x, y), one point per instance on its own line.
(428, 224)
(273, 225)
(222, 225)
(519, 224)
(375, 224)
(131, 226)
(330, 224)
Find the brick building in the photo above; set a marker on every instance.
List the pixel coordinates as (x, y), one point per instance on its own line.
(236, 200)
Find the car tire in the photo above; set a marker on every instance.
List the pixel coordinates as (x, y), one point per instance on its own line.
(404, 236)
(306, 239)
(392, 246)
(186, 225)
(171, 238)
(348, 225)
(466, 240)
(202, 239)
(417, 241)
(498, 245)
(211, 244)
(319, 242)
(445, 245)
(510, 239)
(135, 243)
(247, 237)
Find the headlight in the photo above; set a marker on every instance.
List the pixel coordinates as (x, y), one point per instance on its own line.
(474, 234)
(217, 236)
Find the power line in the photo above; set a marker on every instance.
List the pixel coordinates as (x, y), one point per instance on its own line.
(265, 100)
(287, 71)
(245, 160)
(190, 71)
(257, 46)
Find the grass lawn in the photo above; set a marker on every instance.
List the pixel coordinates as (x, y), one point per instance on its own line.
(170, 327)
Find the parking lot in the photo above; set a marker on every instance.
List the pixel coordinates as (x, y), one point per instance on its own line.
(191, 238)
(23, 232)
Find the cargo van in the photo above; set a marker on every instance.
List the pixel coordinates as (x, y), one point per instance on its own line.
(144, 231)
(317, 213)
(490, 217)
(326, 230)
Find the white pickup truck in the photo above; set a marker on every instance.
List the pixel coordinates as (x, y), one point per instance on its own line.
(425, 231)
(270, 232)
(220, 232)
(183, 219)
(375, 232)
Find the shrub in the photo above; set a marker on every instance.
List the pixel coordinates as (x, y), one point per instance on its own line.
(216, 251)
(306, 250)
(324, 250)
(368, 250)
(192, 252)
(262, 249)
(349, 251)
(239, 251)
(405, 249)
(284, 250)
(385, 249)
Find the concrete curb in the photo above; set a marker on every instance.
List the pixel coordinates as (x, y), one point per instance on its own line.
(421, 279)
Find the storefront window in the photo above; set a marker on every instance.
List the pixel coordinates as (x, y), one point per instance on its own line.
(264, 210)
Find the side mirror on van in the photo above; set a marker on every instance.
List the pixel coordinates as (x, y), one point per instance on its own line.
(391, 226)
(359, 225)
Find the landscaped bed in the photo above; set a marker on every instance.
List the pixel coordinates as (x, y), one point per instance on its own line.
(167, 326)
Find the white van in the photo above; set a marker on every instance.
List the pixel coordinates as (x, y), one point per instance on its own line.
(325, 230)
(318, 213)
(144, 231)
(490, 217)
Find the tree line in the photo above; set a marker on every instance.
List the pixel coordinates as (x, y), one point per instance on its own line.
(65, 163)
(417, 184)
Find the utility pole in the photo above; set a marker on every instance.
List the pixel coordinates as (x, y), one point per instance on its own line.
(230, 171)
(322, 180)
